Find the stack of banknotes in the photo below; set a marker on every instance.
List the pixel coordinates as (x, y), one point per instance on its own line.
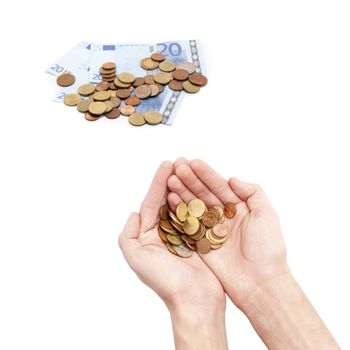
(85, 59)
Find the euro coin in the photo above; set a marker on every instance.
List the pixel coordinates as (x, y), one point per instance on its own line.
(167, 66)
(97, 108)
(72, 99)
(65, 80)
(153, 117)
(137, 119)
(196, 208)
(190, 88)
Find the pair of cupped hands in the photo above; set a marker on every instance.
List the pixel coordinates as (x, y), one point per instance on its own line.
(253, 253)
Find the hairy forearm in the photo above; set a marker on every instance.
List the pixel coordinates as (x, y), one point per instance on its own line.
(285, 319)
(197, 328)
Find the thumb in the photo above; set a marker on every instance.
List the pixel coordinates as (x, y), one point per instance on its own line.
(128, 237)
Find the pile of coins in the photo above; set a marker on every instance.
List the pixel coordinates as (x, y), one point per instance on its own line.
(120, 94)
(194, 227)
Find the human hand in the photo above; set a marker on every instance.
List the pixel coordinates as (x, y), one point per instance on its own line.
(192, 293)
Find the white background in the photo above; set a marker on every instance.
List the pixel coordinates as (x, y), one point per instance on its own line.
(276, 112)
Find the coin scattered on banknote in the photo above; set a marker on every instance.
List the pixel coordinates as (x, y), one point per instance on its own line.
(194, 227)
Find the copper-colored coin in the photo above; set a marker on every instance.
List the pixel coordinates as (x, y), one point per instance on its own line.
(210, 219)
(188, 239)
(72, 99)
(132, 101)
(106, 73)
(148, 64)
(138, 81)
(163, 212)
(143, 91)
(167, 66)
(203, 246)
(158, 57)
(97, 108)
(216, 246)
(219, 210)
(183, 251)
(176, 85)
(109, 80)
(83, 106)
(220, 230)
(90, 117)
(112, 86)
(154, 90)
(162, 235)
(162, 78)
(103, 86)
(113, 114)
(101, 95)
(116, 101)
(127, 110)
(149, 79)
(160, 87)
(198, 79)
(230, 210)
(200, 232)
(180, 74)
(123, 93)
(109, 65)
(65, 79)
(214, 239)
(190, 88)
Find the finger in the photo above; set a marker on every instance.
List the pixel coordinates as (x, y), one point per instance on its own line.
(173, 200)
(128, 237)
(175, 185)
(252, 194)
(155, 196)
(179, 161)
(196, 186)
(216, 183)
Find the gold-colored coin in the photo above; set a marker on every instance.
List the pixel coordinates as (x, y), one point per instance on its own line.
(189, 66)
(200, 233)
(126, 78)
(214, 240)
(148, 64)
(109, 106)
(97, 108)
(162, 235)
(153, 117)
(120, 84)
(190, 88)
(167, 66)
(170, 248)
(163, 212)
(167, 227)
(137, 119)
(83, 106)
(162, 78)
(72, 99)
(174, 239)
(183, 251)
(174, 218)
(191, 225)
(101, 95)
(177, 227)
(181, 211)
(196, 208)
(86, 89)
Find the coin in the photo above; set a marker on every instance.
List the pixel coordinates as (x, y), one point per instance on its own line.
(209, 218)
(153, 117)
(109, 65)
(132, 101)
(181, 211)
(180, 74)
(154, 90)
(162, 235)
(101, 95)
(191, 225)
(143, 91)
(126, 78)
(203, 246)
(214, 239)
(65, 79)
(174, 239)
(189, 66)
(219, 210)
(162, 78)
(83, 106)
(113, 114)
(149, 79)
(109, 106)
(160, 87)
(170, 248)
(220, 230)
(176, 85)
(158, 57)
(115, 101)
(198, 79)
(190, 88)
(200, 232)
(97, 108)
(123, 93)
(148, 64)
(188, 239)
(183, 251)
(120, 84)
(86, 89)
(196, 208)
(90, 117)
(72, 99)
(167, 66)
(138, 81)
(230, 210)
(102, 86)
(127, 110)
(163, 212)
